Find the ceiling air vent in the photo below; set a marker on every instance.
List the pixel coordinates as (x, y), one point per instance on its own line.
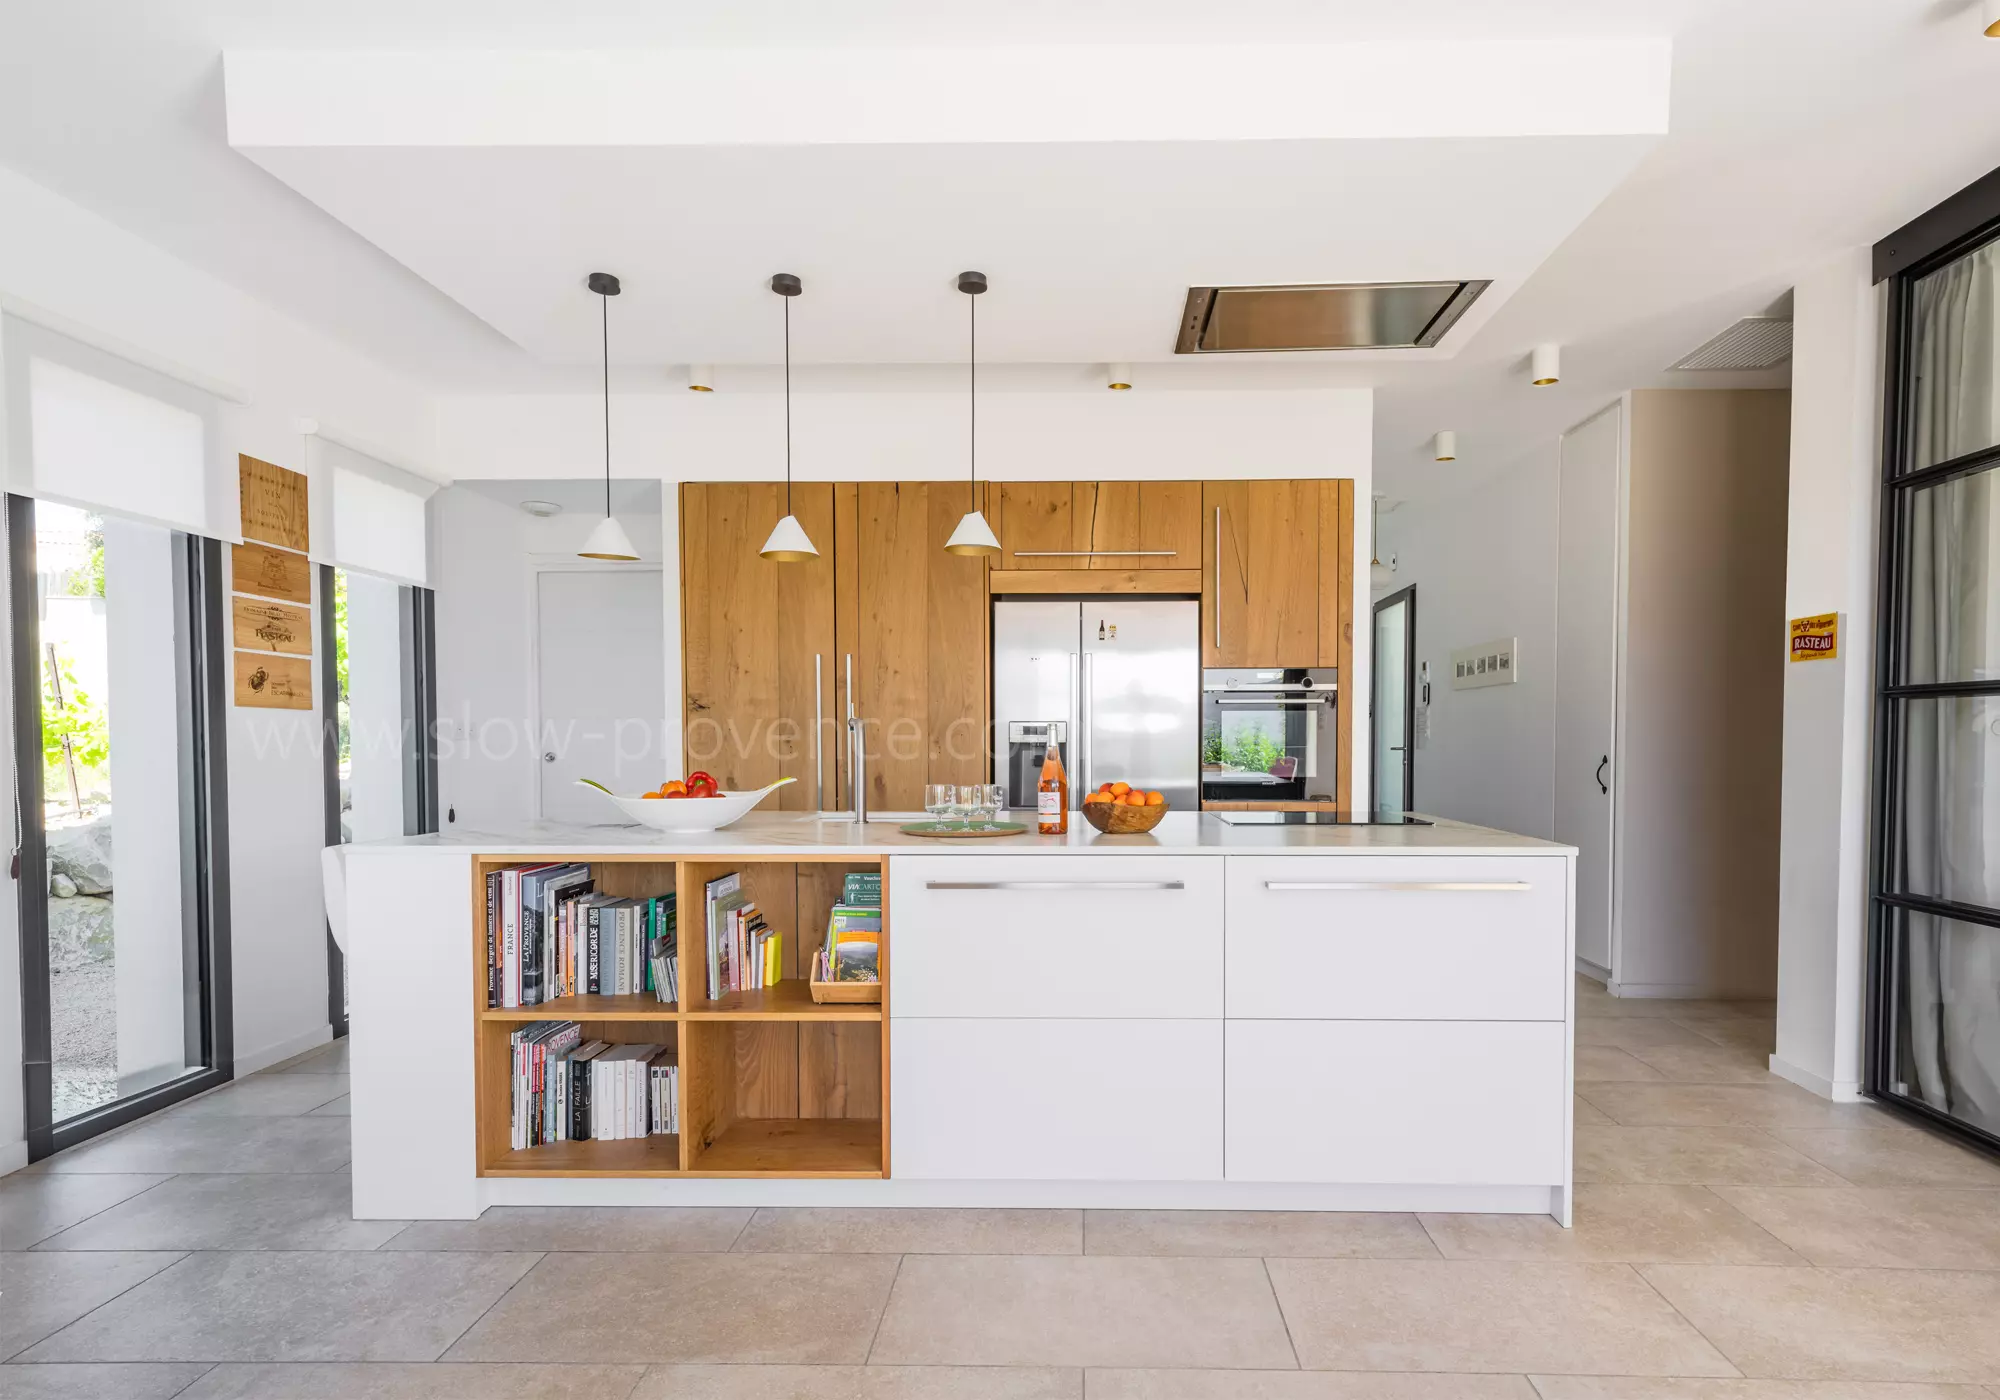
(1324, 316)
(1755, 342)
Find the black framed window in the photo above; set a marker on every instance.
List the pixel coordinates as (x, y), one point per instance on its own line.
(118, 656)
(1934, 966)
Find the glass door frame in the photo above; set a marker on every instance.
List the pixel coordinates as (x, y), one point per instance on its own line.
(1406, 594)
(1963, 224)
(201, 701)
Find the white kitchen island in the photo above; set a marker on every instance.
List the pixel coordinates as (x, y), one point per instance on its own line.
(1213, 1017)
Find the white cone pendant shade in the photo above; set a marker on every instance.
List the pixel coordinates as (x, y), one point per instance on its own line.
(788, 543)
(608, 541)
(973, 536)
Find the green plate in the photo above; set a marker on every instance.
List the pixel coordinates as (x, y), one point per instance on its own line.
(952, 831)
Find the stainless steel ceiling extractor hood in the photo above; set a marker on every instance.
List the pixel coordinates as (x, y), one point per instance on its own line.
(1322, 316)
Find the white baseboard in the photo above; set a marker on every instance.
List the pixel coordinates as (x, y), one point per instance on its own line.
(1843, 1091)
(283, 1050)
(13, 1156)
(1592, 970)
(1682, 991)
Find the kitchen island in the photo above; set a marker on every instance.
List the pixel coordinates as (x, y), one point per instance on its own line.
(1208, 1016)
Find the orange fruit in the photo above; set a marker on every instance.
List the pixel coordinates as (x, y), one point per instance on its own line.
(1156, 799)
(1104, 787)
(1120, 789)
(645, 795)
(1099, 797)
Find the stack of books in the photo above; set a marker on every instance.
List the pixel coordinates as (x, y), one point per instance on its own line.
(745, 953)
(567, 1091)
(851, 952)
(550, 934)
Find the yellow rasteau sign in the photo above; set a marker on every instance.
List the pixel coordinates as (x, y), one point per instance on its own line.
(1816, 638)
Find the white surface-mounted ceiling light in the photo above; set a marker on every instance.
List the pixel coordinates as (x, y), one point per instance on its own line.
(973, 535)
(1546, 367)
(701, 379)
(608, 540)
(541, 509)
(1118, 376)
(1444, 447)
(788, 543)
(1991, 15)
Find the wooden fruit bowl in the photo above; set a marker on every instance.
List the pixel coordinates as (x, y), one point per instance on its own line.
(1118, 819)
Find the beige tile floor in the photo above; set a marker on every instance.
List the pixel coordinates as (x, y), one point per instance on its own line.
(1736, 1239)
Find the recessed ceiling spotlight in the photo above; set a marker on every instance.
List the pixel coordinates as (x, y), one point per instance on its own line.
(701, 379)
(541, 509)
(1444, 446)
(1993, 19)
(1118, 376)
(1546, 367)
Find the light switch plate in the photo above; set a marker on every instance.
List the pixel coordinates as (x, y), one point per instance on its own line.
(1488, 663)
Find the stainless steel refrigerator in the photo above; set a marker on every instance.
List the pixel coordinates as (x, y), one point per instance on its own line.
(1119, 680)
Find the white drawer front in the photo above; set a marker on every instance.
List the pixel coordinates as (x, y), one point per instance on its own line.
(1435, 1103)
(1090, 936)
(988, 1100)
(1390, 938)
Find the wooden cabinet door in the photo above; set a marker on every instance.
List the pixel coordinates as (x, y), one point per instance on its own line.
(1260, 573)
(1036, 524)
(1138, 524)
(751, 633)
(919, 637)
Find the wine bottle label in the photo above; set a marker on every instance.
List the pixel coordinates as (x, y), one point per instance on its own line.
(1048, 806)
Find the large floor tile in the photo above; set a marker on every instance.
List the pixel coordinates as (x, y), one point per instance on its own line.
(1462, 1315)
(1896, 1227)
(1618, 1224)
(891, 1231)
(1758, 1035)
(1300, 1385)
(268, 1210)
(46, 1292)
(1608, 1063)
(1633, 1033)
(701, 1307)
(1085, 1311)
(1307, 1234)
(291, 1307)
(171, 1142)
(98, 1380)
(582, 1229)
(265, 1095)
(389, 1380)
(1843, 1324)
(860, 1383)
(1775, 1105)
(1646, 1388)
(339, 1108)
(1583, 1111)
(328, 1059)
(34, 1205)
(1892, 1156)
(1692, 1157)
(1707, 1064)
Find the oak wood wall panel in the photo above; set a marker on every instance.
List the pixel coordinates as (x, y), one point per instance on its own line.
(1146, 516)
(729, 620)
(805, 631)
(1032, 515)
(1265, 580)
(846, 627)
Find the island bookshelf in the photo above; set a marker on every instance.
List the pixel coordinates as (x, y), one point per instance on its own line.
(772, 1083)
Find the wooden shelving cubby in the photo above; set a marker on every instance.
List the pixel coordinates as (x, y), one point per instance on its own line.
(772, 1083)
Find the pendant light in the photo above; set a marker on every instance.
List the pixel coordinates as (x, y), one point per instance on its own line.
(608, 540)
(788, 543)
(973, 535)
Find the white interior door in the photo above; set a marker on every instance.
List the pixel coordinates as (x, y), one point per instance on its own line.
(1392, 789)
(1587, 612)
(601, 687)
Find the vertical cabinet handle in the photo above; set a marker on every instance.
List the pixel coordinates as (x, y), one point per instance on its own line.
(819, 723)
(1085, 756)
(1602, 764)
(1218, 580)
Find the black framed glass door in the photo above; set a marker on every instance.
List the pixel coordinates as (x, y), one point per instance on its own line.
(118, 653)
(1934, 1012)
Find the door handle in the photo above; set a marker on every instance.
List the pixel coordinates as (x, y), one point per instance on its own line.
(1218, 578)
(1492, 886)
(819, 720)
(1055, 884)
(1602, 764)
(548, 758)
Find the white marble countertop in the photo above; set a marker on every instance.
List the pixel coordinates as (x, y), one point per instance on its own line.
(780, 834)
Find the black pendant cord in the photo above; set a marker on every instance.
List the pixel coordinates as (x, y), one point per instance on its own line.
(972, 418)
(788, 405)
(604, 308)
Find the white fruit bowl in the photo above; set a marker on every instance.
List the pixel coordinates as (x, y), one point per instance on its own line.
(688, 813)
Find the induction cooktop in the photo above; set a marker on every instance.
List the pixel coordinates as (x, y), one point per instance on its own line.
(1320, 819)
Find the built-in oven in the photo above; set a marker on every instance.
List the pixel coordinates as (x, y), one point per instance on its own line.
(1267, 734)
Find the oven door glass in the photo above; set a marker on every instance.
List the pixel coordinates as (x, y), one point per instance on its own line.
(1266, 748)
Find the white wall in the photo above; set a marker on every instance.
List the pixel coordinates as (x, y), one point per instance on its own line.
(1484, 566)
(374, 708)
(66, 268)
(1830, 567)
(1082, 433)
(13, 1138)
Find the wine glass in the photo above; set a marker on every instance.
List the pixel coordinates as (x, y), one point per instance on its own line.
(938, 800)
(992, 802)
(964, 802)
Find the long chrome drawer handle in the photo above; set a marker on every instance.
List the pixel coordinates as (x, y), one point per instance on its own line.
(1055, 884)
(1501, 886)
